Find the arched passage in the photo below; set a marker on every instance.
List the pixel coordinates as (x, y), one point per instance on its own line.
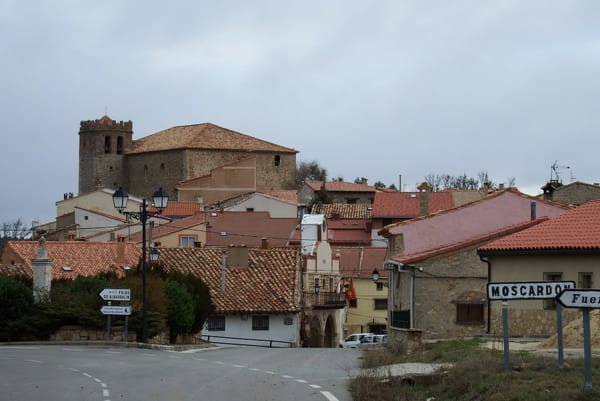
(329, 337)
(315, 332)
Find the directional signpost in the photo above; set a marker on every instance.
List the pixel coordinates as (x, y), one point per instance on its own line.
(584, 299)
(116, 310)
(528, 290)
(116, 294)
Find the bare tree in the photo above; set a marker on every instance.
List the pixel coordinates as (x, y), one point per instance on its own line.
(311, 171)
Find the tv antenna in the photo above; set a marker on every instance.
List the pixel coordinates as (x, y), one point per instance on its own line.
(555, 170)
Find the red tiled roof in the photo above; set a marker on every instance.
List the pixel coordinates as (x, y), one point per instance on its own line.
(248, 228)
(340, 186)
(408, 204)
(577, 229)
(85, 258)
(181, 209)
(343, 210)
(361, 261)
(288, 195)
(268, 285)
(348, 232)
(204, 136)
(468, 223)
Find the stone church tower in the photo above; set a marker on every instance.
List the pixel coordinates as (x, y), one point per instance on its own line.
(102, 147)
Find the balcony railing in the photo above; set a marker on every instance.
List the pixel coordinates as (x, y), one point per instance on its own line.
(325, 300)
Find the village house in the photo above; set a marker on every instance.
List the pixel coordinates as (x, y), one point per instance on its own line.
(575, 193)
(340, 191)
(563, 248)
(437, 282)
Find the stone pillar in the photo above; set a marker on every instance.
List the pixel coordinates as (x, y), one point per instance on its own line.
(42, 273)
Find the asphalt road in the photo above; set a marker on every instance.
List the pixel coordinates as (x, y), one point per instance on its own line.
(65, 373)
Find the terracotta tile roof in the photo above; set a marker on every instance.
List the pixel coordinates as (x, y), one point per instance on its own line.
(576, 230)
(468, 223)
(340, 186)
(268, 285)
(204, 136)
(344, 210)
(85, 258)
(248, 228)
(408, 204)
(348, 232)
(361, 261)
(287, 195)
(181, 209)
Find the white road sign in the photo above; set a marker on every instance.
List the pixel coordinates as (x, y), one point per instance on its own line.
(116, 310)
(115, 294)
(527, 290)
(579, 298)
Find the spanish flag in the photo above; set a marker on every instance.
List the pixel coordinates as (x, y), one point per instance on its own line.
(351, 292)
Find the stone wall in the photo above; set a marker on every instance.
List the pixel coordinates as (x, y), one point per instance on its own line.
(77, 333)
(529, 322)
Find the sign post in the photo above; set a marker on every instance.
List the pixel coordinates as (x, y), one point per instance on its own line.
(584, 299)
(115, 294)
(527, 291)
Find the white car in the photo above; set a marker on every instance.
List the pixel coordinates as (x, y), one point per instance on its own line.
(353, 340)
(373, 340)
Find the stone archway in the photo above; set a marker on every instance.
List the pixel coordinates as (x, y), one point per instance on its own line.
(329, 335)
(315, 332)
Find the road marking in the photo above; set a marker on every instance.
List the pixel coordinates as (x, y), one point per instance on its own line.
(33, 360)
(255, 370)
(105, 393)
(315, 386)
(97, 380)
(219, 362)
(114, 352)
(201, 359)
(287, 377)
(270, 372)
(329, 396)
(301, 381)
(103, 385)
(74, 370)
(87, 374)
(239, 366)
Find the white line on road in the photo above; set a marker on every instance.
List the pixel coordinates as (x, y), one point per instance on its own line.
(315, 386)
(329, 396)
(97, 380)
(87, 375)
(255, 370)
(33, 360)
(219, 362)
(239, 366)
(287, 377)
(301, 381)
(269, 372)
(105, 393)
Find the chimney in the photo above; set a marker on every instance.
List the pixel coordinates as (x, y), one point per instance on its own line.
(264, 243)
(533, 212)
(42, 272)
(71, 236)
(237, 256)
(363, 181)
(120, 250)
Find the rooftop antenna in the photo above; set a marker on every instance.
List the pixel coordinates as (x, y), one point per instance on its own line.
(554, 172)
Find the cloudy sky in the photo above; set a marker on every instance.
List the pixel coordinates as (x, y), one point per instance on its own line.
(375, 89)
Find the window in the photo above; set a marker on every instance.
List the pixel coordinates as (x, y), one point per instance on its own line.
(550, 303)
(380, 304)
(187, 241)
(379, 286)
(119, 145)
(585, 280)
(249, 209)
(277, 161)
(469, 313)
(107, 144)
(260, 322)
(216, 323)
(353, 303)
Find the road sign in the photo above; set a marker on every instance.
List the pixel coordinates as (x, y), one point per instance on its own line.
(116, 310)
(115, 294)
(579, 298)
(527, 290)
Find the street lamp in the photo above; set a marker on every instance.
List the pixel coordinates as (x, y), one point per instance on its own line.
(375, 275)
(120, 198)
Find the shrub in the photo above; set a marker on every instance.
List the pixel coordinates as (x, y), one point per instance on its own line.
(180, 310)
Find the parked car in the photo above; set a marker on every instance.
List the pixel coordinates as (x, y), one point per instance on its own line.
(353, 340)
(373, 340)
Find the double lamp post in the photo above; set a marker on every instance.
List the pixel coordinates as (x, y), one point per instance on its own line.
(120, 199)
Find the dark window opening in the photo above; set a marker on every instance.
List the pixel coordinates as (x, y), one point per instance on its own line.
(277, 161)
(469, 313)
(585, 280)
(353, 303)
(380, 304)
(260, 322)
(107, 144)
(119, 145)
(216, 323)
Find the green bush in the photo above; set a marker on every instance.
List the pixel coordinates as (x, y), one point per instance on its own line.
(180, 310)
(16, 299)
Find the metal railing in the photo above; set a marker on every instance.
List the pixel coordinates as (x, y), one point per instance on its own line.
(325, 299)
(251, 342)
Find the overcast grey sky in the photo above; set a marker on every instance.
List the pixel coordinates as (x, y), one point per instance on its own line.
(373, 89)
